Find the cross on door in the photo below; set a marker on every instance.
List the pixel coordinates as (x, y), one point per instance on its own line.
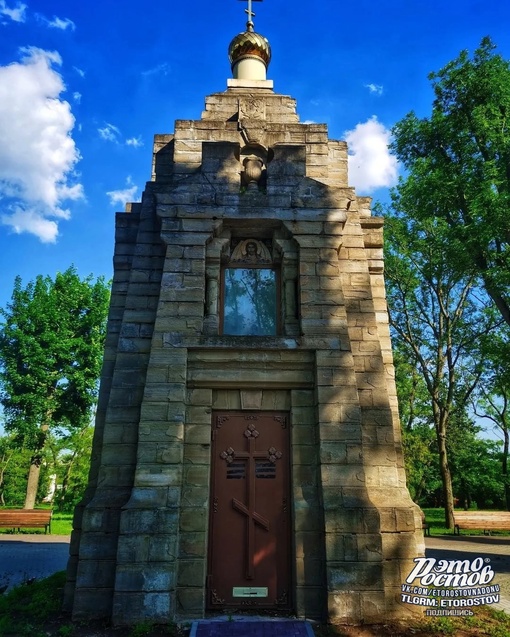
(248, 509)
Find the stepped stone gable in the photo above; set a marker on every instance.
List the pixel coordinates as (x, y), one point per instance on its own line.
(248, 169)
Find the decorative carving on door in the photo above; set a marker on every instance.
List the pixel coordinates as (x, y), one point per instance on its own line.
(220, 420)
(251, 432)
(274, 455)
(228, 455)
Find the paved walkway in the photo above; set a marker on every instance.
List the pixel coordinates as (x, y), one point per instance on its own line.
(251, 627)
(25, 556)
(494, 548)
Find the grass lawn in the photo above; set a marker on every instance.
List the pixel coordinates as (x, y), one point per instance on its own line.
(436, 521)
(61, 523)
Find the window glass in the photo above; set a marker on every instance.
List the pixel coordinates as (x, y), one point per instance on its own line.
(249, 302)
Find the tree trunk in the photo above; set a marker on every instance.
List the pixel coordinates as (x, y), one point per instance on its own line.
(446, 476)
(35, 469)
(33, 481)
(506, 476)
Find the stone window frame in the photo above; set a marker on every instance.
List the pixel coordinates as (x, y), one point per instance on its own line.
(284, 259)
(270, 263)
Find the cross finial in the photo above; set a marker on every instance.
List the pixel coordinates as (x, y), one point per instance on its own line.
(250, 13)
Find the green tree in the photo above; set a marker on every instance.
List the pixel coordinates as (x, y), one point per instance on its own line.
(436, 319)
(479, 467)
(6, 456)
(495, 406)
(422, 464)
(418, 436)
(457, 165)
(476, 467)
(71, 461)
(51, 343)
(413, 398)
(492, 402)
(14, 463)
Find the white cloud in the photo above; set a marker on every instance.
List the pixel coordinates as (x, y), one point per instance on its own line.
(17, 14)
(376, 89)
(59, 23)
(80, 72)
(30, 220)
(71, 192)
(371, 165)
(37, 152)
(136, 142)
(77, 97)
(110, 133)
(161, 69)
(123, 196)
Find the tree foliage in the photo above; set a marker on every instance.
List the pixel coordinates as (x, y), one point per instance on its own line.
(14, 463)
(475, 463)
(65, 462)
(476, 467)
(71, 462)
(492, 402)
(422, 465)
(51, 343)
(451, 241)
(458, 167)
(436, 321)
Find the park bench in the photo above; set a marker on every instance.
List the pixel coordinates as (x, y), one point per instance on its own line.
(484, 520)
(425, 525)
(26, 518)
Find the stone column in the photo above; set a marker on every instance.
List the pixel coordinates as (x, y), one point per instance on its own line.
(133, 305)
(151, 521)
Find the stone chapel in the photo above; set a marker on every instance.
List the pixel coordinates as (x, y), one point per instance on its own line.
(247, 452)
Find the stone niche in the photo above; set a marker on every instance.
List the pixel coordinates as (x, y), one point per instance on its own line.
(248, 281)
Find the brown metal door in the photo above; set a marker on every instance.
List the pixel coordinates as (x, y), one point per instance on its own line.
(249, 556)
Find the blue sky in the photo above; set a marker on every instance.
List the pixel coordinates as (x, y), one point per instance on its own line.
(84, 86)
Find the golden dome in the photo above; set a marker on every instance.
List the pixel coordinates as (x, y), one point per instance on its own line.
(249, 44)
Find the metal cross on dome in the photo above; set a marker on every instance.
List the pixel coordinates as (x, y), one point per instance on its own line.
(249, 10)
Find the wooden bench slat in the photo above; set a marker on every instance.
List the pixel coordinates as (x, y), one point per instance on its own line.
(25, 518)
(485, 520)
(481, 514)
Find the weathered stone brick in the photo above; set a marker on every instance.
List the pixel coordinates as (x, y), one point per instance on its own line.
(193, 519)
(191, 572)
